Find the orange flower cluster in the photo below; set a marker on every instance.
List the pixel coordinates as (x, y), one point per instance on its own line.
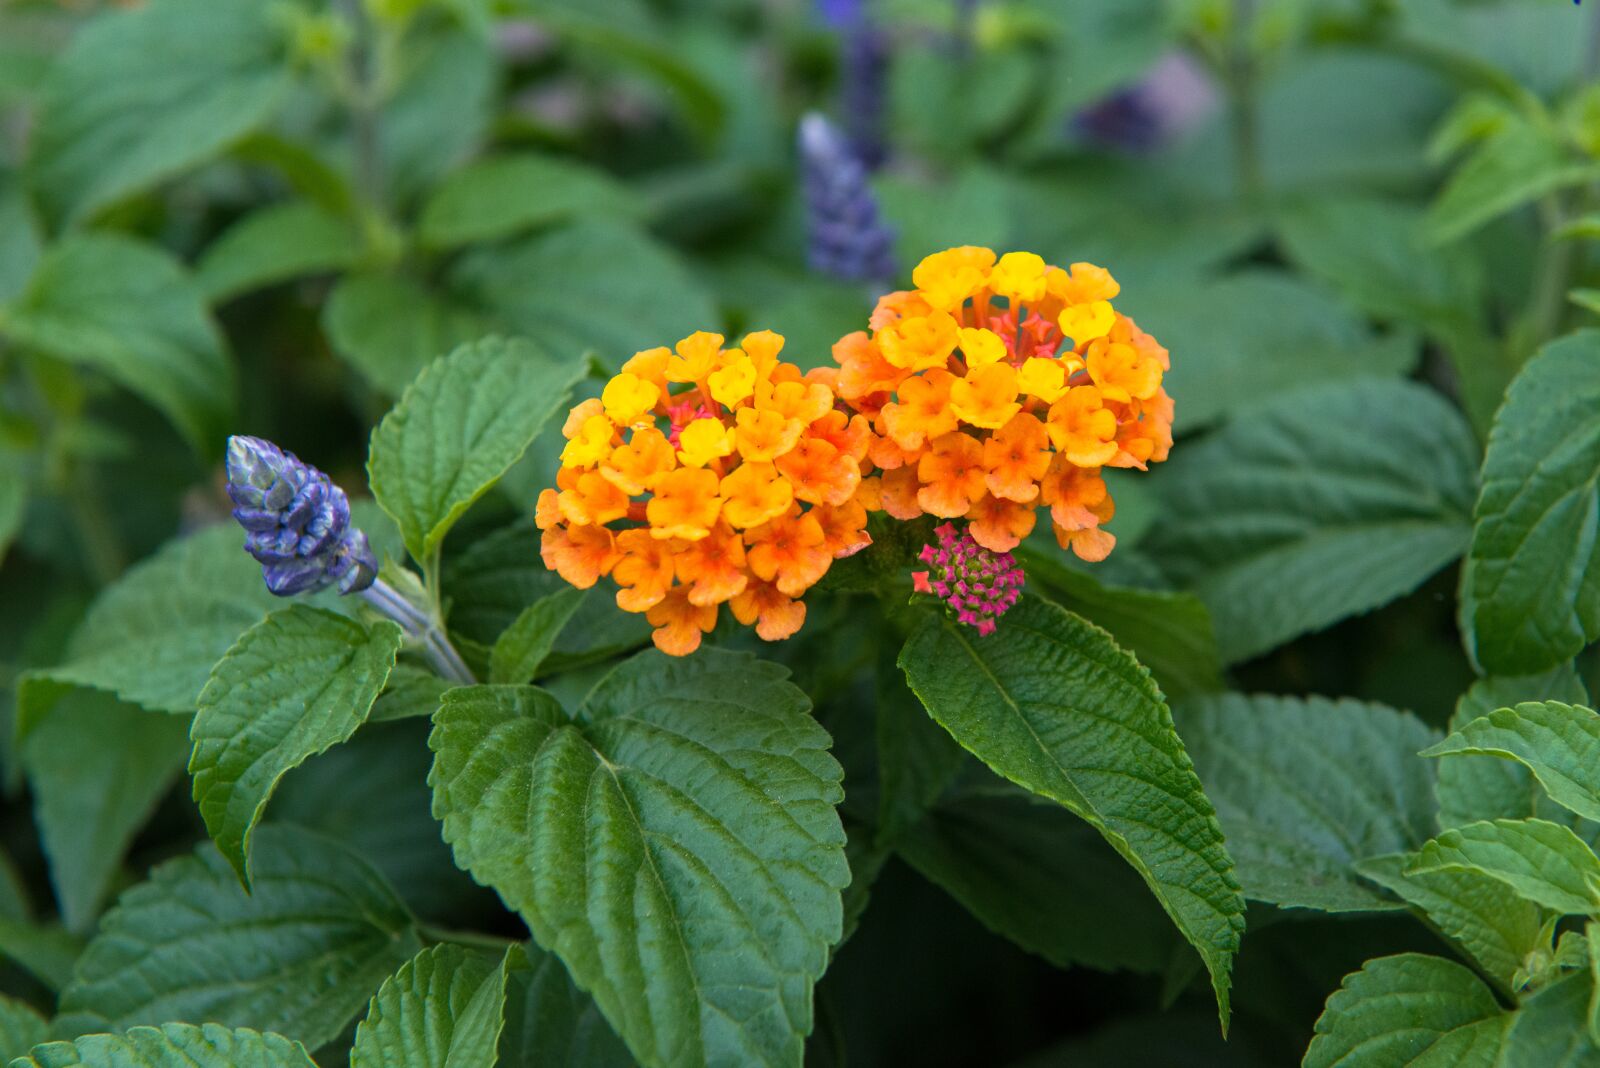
(705, 475)
(1002, 385)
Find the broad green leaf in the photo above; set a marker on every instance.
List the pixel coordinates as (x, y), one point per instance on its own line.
(97, 768)
(1514, 167)
(1558, 743)
(1482, 915)
(1325, 504)
(595, 284)
(300, 955)
(970, 207)
(502, 196)
(458, 427)
(1397, 1010)
(1053, 704)
(518, 652)
(1543, 862)
(1550, 1030)
(442, 1009)
(390, 327)
(172, 1045)
(1591, 934)
(1306, 787)
(1532, 582)
(675, 844)
(207, 73)
(153, 636)
(294, 685)
(1031, 872)
(1484, 788)
(132, 312)
(412, 691)
(1169, 632)
(20, 241)
(440, 111)
(550, 1021)
(21, 1028)
(917, 759)
(46, 951)
(274, 244)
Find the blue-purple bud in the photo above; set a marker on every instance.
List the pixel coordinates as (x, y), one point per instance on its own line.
(848, 238)
(864, 90)
(296, 521)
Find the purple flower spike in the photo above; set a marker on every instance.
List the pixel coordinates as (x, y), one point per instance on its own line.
(978, 585)
(296, 521)
(849, 240)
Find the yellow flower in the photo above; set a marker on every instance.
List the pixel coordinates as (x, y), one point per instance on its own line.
(591, 445)
(696, 357)
(1019, 277)
(1042, 377)
(987, 397)
(948, 278)
(1087, 322)
(981, 347)
(627, 398)
(704, 440)
(734, 381)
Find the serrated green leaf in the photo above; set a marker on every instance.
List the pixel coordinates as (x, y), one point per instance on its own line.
(1053, 704)
(1517, 165)
(413, 690)
(132, 312)
(1332, 501)
(294, 685)
(97, 768)
(457, 429)
(274, 244)
(1558, 743)
(173, 1045)
(518, 652)
(1532, 583)
(1306, 787)
(1396, 1010)
(676, 844)
(621, 291)
(390, 327)
(502, 196)
(442, 1009)
(1481, 915)
(300, 955)
(1543, 862)
(207, 71)
(21, 1028)
(550, 1021)
(1550, 1029)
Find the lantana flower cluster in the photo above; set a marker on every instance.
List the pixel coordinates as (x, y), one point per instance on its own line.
(703, 476)
(1003, 385)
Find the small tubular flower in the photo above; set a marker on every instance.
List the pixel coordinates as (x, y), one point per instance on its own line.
(977, 585)
(705, 476)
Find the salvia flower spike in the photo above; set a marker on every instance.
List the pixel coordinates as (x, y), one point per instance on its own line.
(297, 522)
(978, 584)
(848, 238)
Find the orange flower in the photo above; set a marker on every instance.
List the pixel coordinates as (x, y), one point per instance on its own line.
(1077, 496)
(1091, 544)
(635, 467)
(696, 357)
(893, 307)
(898, 492)
(852, 436)
(1082, 429)
(581, 413)
(547, 510)
(819, 473)
(1122, 372)
(921, 343)
(862, 368)
(592, 499)
(952, 475)
(753, 494)
(923, 410)
(580, 555)
(685, 505)
(775, 616)
(714, 567)
(763, 435)
(844, 528)
(1017, 457)
(987, 397)
(644, 572)
(651, 366)
(998, 524)
(1084, 285)
(790, 552)
(803, 401)
(679, 624)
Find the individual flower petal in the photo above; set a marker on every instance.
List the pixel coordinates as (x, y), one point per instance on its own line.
(1086, 322)
(1082, 429)
(592, 499)
(986, 397)
(680, 624)
(580, 555)
(713, 568)
(695, 357)
(946, 279)
(591, 444)
(1122, 372)
(635, 468)
(1016, 457)
(920, 343)
(1019, 277)
(763, 435)
(952, 475)
(734, 381)
(703, 441)
(775, 615)
(753, 493)
(1043, 377)
(644, 570)
(999, 524)
(790, 552)
(981, 347)
(685, 505)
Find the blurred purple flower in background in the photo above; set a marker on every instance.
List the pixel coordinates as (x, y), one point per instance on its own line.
(1174, 96)
(863, 77)
(848, 238)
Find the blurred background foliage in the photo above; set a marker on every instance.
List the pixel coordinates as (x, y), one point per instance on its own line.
(264, 216)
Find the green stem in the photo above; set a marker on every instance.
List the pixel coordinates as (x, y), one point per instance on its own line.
(1241, 80)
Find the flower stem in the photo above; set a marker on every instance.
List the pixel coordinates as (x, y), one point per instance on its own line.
(426, 629)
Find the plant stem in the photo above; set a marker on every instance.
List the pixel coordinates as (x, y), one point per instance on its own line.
(1241, 78)
(427, 629)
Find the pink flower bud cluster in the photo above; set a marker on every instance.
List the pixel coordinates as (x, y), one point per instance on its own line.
(979, 585)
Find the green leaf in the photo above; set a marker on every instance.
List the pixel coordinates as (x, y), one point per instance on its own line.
(172, 1045)
(518, 652)
(46, 951)
(676, 844)
(1533, 574)
(550, 1021)
(1558, 743)
(390, 327)
(300, 955)
(130, 311)
(441, 110)
(20, 241)
(97, 768)
(502, 196)
(274, 244)
(1330, 502)
(13, 504)
(1550, 1029)
(1306, 787)
(1397, 1011)
(207, 71)
(970, 207)
(1031, 872)
(442, 1009)
(1543, 862)
(620, 290)
(413, 690)
(1516, 166)
(457, 429)
(153, 636)
(294, 685)
(21, 1028)
(917, 759)
(1495, 927)
(1591, 935)
(1169, 632)
(1054, 705)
